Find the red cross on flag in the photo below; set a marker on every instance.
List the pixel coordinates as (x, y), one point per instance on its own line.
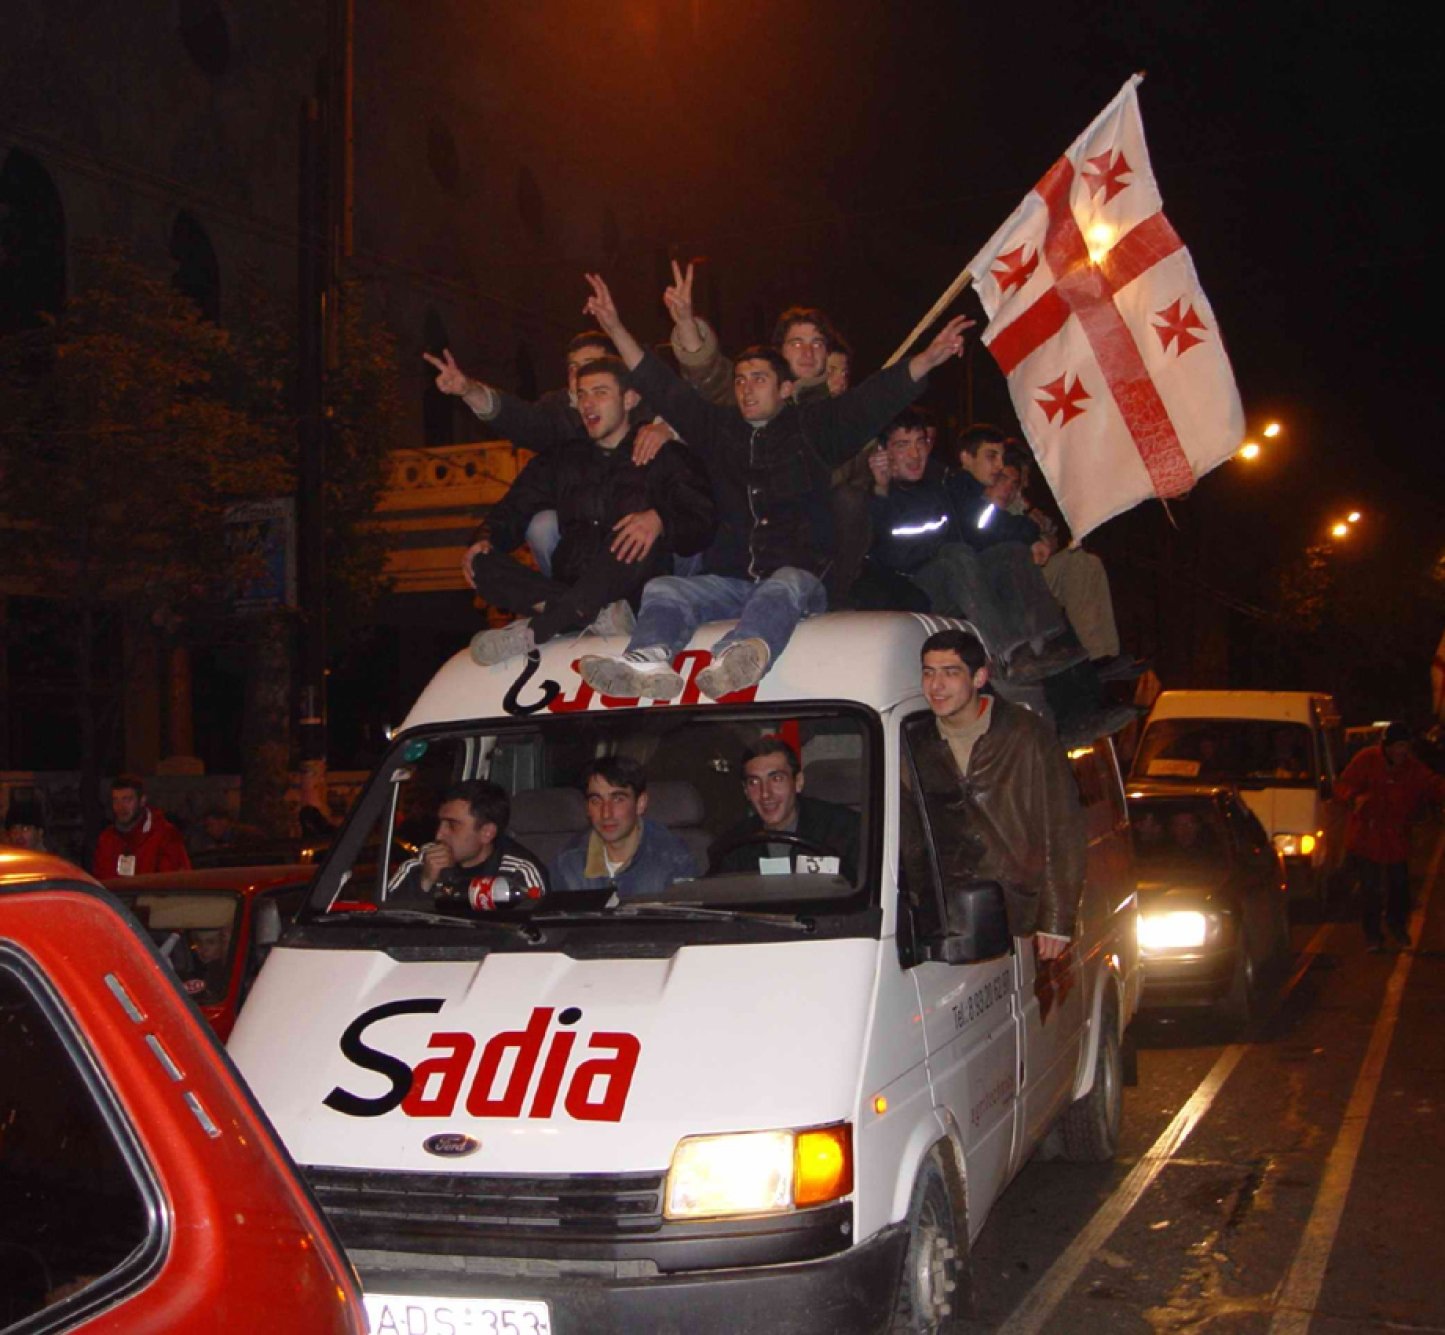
(1113, 357)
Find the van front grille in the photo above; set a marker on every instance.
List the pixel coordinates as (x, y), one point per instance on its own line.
(458, 1212)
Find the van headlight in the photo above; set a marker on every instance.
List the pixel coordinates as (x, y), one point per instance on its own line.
(758, 1172)
(1295, 845)
(1177, 929)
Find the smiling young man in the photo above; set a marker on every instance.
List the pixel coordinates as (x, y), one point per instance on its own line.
(619, 525)
(908, 512)
(623, 849)
(773, 787)
(1002, 778)
(769, 461)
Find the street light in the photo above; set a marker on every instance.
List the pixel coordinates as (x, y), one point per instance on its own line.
(1272, 430)
(1339, 530)
(1249, 451)
(1353, 517)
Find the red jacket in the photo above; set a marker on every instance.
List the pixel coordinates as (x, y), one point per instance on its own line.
(1384, 800)
(153, 842)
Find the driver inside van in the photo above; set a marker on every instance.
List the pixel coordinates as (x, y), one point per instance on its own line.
(471, 844)
(817, 836)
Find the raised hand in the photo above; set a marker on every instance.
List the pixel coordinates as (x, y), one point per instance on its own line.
(947, 343)
(678, 296)
(600, 305)
(450, 377)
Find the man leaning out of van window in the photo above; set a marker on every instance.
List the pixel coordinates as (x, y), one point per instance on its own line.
(623, 849)
(989, 754)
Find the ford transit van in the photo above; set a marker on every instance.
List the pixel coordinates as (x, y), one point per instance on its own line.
(777, 1099)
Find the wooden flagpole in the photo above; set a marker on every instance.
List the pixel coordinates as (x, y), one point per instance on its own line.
(937, 309)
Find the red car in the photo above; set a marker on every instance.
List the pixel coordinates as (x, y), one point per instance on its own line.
(215, 926)
(141, 1188)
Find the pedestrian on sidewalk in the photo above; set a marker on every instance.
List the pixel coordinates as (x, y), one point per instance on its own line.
(1387, 788)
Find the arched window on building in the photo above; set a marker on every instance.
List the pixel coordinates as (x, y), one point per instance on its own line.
(438, 410)
(32, 244)
(198, 274)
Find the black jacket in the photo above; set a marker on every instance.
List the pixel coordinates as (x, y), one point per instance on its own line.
(591, 489)
(911, 523)
(771, 482)
(826, 825)
(968, 504)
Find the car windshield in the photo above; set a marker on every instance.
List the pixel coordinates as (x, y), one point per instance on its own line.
(753, 814)
(196, 933)
(1172, 833)
(1258, 752)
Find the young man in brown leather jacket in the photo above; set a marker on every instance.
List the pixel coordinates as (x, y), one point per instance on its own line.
(1010, 803)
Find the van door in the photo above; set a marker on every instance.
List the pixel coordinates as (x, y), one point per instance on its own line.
(970, 1011)
(1051, 995)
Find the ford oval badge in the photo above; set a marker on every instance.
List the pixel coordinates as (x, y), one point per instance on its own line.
(451, 1145)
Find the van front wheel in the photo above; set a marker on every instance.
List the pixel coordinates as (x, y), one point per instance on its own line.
(931, 1290)
(1089, 1128)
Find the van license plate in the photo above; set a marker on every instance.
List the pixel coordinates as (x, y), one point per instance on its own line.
(407, 1314)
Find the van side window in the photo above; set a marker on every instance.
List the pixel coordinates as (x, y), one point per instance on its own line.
(78, 1214)
(926, 815)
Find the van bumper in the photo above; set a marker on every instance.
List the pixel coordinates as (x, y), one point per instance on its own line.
(850, 1291)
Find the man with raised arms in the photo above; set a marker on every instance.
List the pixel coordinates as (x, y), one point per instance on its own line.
(769, 462)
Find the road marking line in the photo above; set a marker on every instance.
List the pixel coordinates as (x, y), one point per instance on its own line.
(1300, 1290)
(1029, 1316)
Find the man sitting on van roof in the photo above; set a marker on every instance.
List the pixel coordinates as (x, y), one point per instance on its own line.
(620, 525)
(637, 857)
(769, 464)
(773, 786)
(471, 844)
(985, 755)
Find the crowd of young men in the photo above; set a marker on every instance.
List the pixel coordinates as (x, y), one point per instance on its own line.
(763, 490)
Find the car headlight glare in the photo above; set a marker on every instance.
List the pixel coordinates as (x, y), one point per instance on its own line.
(758, 1172)
(1177, 929)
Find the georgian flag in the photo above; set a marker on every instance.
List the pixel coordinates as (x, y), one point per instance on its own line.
(1113, 357)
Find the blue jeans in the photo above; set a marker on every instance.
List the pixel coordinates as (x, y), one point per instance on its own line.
(543, 535)
(768, 610)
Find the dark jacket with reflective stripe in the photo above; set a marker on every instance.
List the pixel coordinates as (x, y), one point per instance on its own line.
(911, 523)
(771, 482)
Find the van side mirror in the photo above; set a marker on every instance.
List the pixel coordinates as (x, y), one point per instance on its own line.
(267, 929)
(975, 925)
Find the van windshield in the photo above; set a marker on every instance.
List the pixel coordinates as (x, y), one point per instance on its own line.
(658, 814)
(1251, 752)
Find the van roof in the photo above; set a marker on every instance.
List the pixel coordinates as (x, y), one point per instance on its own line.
(1287, 706)
(869, 657)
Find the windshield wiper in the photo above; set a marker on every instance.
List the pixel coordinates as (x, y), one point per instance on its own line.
(680, 913)
(425, 916)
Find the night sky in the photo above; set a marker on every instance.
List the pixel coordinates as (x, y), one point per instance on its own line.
(854, 155)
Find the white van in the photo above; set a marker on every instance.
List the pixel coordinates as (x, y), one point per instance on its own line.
(1283, 749)
(777, 1102)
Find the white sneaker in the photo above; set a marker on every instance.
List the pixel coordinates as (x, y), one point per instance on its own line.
(614, 619)
(490, 647)
(742, 664)
(633, 675)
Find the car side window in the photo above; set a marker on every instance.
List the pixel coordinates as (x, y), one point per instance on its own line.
(79, 1212)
